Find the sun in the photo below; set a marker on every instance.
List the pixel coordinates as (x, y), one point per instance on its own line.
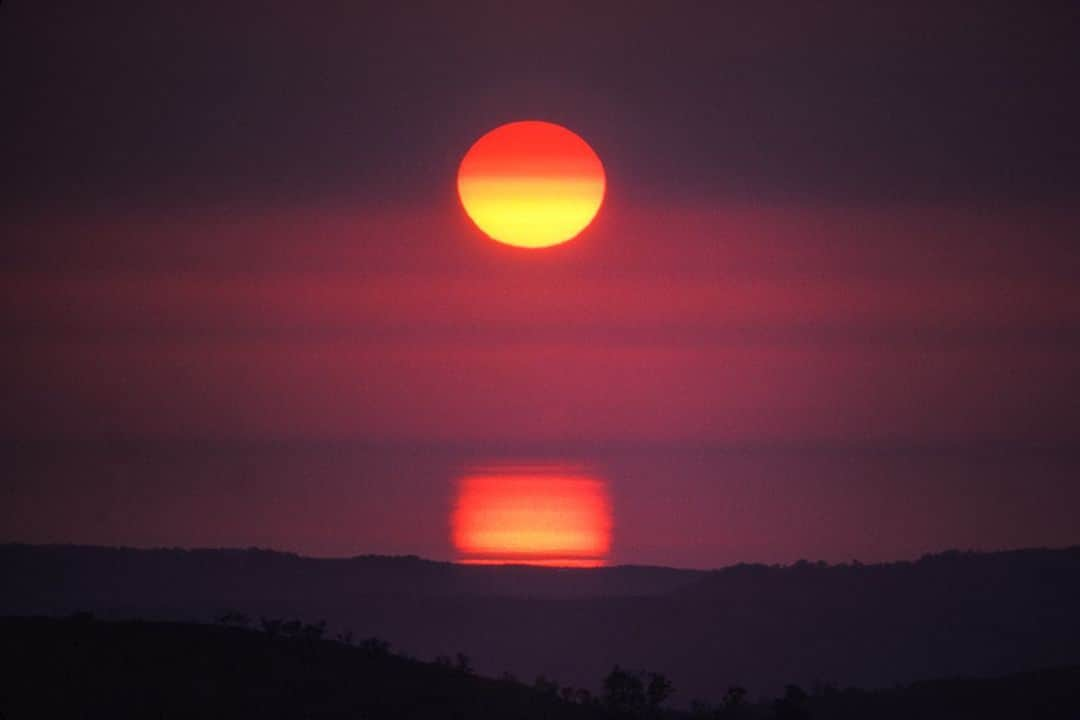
(531, 184)
(534, 515)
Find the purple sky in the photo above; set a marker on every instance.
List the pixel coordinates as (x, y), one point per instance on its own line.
(829, 309)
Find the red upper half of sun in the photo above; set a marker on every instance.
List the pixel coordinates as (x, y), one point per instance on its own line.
(531, 184)
(536, 516)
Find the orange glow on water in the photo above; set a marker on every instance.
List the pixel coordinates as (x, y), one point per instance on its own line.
(531, 184)
(545, 515)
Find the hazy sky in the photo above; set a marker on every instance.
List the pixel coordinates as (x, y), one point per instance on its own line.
(829, 308)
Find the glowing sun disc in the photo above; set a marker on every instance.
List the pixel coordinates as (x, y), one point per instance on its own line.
(531, 184)
(540, 515)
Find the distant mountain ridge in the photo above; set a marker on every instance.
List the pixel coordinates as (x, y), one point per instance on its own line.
(81, 567)
(948, 614)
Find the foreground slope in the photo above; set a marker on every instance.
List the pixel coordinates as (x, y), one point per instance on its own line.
(79, 667)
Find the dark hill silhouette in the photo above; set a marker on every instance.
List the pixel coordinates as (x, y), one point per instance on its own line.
(80, 667)
(945, 615)
(1052, 694)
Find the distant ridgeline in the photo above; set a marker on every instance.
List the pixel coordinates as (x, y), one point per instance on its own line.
(758, 627)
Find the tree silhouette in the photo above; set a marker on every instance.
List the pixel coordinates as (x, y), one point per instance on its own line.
(624, 693)
(658, 691)
(314, 631)
(545, 686)
(377, 647)
(584, 697)
(236, 619)
(627, 693)
(271, 626)
(733, 706)
(462, 664)
(792, 706)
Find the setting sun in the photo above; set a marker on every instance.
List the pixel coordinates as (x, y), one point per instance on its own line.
(546, 515)
(531, 184)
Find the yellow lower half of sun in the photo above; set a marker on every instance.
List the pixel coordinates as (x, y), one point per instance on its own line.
(531, 212)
